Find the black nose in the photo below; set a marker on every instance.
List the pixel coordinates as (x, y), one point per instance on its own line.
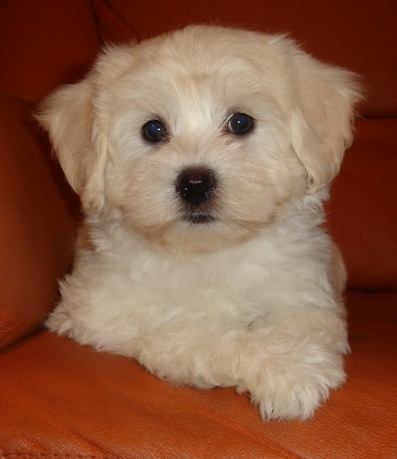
(196, 186)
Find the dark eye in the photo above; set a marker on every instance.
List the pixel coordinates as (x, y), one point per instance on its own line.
(154, 131)
(240, 124)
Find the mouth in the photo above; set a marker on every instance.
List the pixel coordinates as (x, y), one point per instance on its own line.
(199, 218)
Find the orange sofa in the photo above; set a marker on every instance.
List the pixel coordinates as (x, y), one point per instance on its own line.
(61, 400)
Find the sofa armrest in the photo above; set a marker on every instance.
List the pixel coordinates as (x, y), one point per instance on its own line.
(37, 224)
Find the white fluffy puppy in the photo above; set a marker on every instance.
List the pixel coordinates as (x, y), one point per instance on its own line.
(202, 159)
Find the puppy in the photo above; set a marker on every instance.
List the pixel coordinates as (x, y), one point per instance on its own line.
(202, 159)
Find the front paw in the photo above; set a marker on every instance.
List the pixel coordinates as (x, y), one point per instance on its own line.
(288, 386)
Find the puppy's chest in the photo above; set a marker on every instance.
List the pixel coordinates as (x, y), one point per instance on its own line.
(224, 283)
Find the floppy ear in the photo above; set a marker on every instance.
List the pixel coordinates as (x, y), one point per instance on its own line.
(77, 133)
(67, 114)
(322, 117)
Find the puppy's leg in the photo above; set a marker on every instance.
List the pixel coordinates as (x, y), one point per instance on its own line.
(291, 361)
(288, 361)
(198, 354)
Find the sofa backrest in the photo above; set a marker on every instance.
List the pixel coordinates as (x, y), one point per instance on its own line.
(46, 43)
(43, 44)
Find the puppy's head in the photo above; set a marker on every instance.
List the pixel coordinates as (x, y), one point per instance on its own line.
(202, 137)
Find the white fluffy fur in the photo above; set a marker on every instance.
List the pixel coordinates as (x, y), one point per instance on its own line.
(252, 299)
